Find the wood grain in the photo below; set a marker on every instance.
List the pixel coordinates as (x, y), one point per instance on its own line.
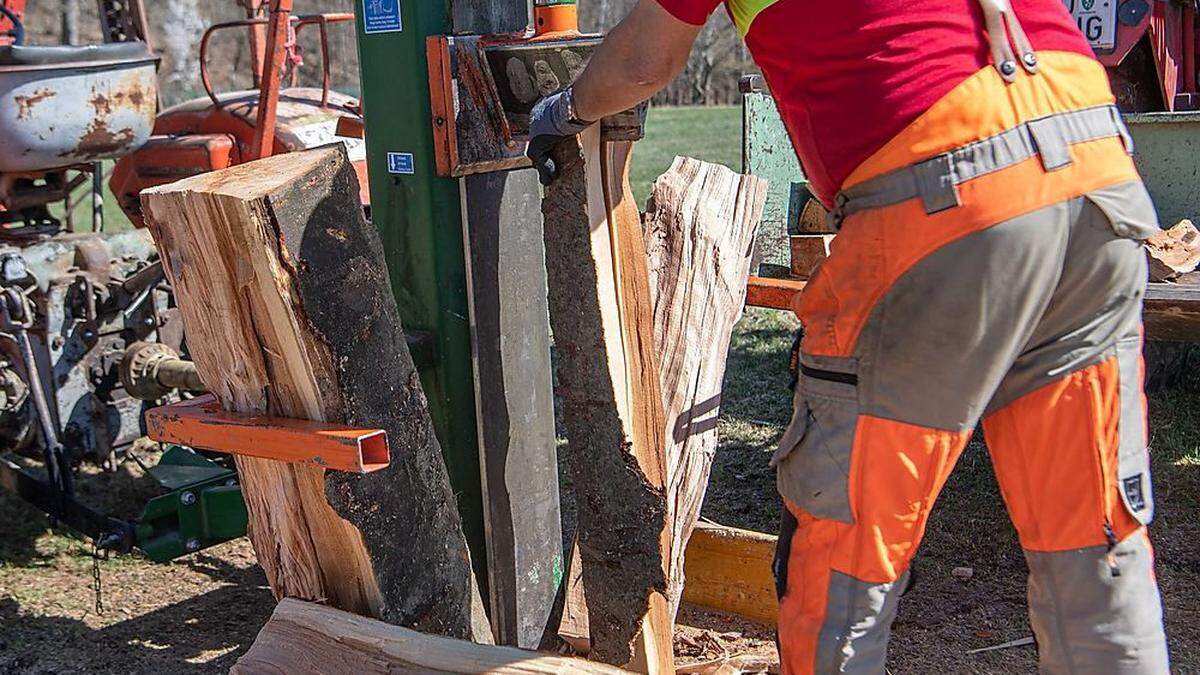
(303, 637)
(701, 220)
(288, 311)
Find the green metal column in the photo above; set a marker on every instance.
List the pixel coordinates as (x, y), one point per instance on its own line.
(417, 214)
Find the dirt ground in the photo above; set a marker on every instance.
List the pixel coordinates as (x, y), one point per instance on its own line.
(200, 613)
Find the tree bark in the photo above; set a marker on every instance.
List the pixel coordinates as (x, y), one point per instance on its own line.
(289, 311)
(600, 316)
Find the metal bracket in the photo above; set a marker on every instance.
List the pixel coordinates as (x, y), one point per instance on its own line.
(202, 423)
(482, 88)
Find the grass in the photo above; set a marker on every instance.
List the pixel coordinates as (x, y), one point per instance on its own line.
(713, 134)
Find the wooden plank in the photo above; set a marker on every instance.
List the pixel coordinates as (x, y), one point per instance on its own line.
(286, 301)
(600, 314)
(701, 220)
(729, 570)
(303, 637)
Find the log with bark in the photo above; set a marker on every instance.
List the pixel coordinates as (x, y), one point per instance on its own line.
(304, 637)
(600, 316)
(701, 220)
(288, 310)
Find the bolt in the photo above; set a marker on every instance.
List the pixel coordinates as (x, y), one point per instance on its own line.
(1029, 58)
(193, 544)
(231, 482)
(57, 342)
(148, 322)
(1008, 68)
(88, 334)
(188, 498)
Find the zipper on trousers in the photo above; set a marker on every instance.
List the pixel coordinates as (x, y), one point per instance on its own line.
(829, 375)
(1109, 557)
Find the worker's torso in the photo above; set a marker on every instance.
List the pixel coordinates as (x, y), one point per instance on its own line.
(850, 76)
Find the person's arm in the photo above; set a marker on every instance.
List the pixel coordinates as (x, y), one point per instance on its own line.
(636, 59)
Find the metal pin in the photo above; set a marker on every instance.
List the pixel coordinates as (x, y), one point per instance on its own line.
(1008, 68)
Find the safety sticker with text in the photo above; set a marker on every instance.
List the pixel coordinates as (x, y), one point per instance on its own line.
(381, 16)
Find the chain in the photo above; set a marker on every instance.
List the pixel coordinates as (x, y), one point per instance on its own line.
(96, 556)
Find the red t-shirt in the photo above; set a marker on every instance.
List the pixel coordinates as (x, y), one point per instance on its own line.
(848, 75)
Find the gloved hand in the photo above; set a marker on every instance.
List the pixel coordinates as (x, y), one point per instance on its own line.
(551, 120)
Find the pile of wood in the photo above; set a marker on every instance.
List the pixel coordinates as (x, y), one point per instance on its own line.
(1174, 252)
(288, 307)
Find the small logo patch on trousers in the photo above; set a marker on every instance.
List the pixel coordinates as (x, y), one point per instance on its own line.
(1134, 493)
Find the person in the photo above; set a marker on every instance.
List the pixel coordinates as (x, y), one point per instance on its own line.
(987, 266)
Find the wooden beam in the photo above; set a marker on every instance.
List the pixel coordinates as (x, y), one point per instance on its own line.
(772, 293)
(700, 225)
(304, 637)
(288, 311)
(600, 314)
(729, 570)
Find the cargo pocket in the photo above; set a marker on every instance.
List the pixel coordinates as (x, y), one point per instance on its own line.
(1128, 209)
(1133, 455)
(813, 461)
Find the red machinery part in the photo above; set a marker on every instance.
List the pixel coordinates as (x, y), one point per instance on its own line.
(1155, 51)
(165, 159)
(17, 9)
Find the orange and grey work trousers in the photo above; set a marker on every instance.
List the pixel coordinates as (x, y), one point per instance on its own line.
(997, 279)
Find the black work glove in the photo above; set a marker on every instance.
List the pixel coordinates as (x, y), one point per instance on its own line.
(550, 121)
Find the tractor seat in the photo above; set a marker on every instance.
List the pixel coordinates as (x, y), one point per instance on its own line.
(36, 55)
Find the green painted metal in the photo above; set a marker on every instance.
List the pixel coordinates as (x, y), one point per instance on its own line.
(203, 508)
(419, 220)
(1167, 154)
(767, 152)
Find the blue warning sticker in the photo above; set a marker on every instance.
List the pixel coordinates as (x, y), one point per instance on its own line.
(400, 162)
(381, 16)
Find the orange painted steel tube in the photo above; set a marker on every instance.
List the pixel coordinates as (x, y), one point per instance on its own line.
(202, 423)
(557, 20)
(772, 293)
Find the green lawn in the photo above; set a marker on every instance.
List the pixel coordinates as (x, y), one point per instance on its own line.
(713, 134)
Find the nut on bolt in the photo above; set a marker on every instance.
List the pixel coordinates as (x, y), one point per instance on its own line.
(192, 544)
(188, 498)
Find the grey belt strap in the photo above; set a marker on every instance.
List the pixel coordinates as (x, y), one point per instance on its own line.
(936, 180)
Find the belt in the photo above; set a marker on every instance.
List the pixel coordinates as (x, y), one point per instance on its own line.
(935, 181)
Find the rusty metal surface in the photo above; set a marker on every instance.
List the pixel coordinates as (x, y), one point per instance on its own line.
(67, 114)
(483, 87)
(300, 120)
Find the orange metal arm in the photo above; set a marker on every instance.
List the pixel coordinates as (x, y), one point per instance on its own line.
(268, 95)
(202, 423)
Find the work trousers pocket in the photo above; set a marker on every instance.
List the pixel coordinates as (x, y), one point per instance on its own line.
(1128, 209)
(812, 463)
(1133, 455)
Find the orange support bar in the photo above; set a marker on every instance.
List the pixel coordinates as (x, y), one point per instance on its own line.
(772, 293)
(202, 423)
